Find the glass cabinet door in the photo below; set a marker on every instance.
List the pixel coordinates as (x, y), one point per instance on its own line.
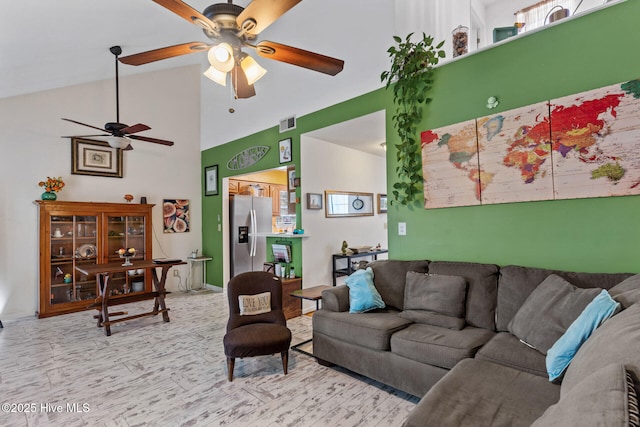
(125, 232)
(73, 242)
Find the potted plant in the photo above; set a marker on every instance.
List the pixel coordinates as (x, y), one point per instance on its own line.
(411, 78)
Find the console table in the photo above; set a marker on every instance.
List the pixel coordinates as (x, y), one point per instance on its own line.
(337, 272)
(104, 300)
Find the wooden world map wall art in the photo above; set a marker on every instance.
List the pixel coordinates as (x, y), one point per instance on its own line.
(579, 146)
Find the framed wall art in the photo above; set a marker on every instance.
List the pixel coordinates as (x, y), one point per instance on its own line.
(284, 150)
(211, 180)
(95, 158)
(176, 215)
(314, 201)
(382, 203)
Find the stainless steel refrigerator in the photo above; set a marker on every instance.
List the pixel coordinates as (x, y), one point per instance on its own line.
(250, 223)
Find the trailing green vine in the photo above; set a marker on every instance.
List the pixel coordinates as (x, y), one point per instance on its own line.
(412, 76)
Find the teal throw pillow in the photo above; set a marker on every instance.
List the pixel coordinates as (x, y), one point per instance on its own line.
(363, 295)
(595, 313)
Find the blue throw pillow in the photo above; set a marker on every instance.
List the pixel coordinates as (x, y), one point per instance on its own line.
(561, 353)
(363, 296)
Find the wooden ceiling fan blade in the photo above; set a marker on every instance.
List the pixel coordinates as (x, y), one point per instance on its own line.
(185, 11)
(135, 128)
(148, 139)
(84, 124)
(301, 58)
(263, 13)
(242, 87)
(84, 136)
(163, 53)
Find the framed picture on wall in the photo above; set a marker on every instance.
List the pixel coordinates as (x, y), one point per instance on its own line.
(314, 201)
(211, 180)
(382, 203)
(284, 150)
(95, 158)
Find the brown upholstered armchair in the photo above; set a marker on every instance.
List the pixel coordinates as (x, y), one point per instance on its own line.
(250, 335)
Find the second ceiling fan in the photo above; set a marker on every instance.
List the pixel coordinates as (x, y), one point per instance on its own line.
(230, 28)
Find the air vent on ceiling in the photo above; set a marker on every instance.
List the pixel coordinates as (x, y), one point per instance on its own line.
(287, 124)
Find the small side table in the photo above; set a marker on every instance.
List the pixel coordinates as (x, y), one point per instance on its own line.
(311, 294)
(192, 262)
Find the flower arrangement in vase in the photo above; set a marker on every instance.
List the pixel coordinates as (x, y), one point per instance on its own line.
(51, 185)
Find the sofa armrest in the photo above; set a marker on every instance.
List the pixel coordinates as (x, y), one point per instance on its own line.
(336, 299)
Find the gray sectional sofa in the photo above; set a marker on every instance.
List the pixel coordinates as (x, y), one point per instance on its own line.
(476, 352)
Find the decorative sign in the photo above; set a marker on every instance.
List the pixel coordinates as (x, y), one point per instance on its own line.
(248, 157)
(579, 146)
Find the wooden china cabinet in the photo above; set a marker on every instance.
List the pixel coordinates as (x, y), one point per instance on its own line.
(80, 233)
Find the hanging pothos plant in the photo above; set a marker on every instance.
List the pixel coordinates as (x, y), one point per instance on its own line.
(412, 76)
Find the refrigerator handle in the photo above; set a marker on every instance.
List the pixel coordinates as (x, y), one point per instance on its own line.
(254, 228)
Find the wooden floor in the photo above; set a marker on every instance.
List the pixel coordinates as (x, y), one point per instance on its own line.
(63, 371)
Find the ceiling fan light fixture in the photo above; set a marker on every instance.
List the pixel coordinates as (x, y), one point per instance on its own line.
(219, 77)
(252, 70)
(117, 142)
(221, 57)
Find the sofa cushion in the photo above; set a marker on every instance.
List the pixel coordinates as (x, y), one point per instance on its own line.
(482, 283)
(627, 292)
(438, 346)
(363, 295)
(616, 341)
(548, 312)
(601, 399)
(516, 284)
(506, 349)
(435, 299)
(389, 278)
(480, 393)
(562, 351)
(372, 329)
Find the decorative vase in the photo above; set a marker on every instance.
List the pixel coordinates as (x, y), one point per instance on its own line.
(49, 195)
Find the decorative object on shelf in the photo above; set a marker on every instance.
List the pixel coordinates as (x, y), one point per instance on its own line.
(51, 185)
(492, 102)
(382, 203)
(211, 180)
(143, 200)
(460, 40)
(176, 215)
(284, 151)
(95, 158)
(128, 198)
(344, 248)
(127, 254)
(314, 201)
(411, 76)
(67, 278)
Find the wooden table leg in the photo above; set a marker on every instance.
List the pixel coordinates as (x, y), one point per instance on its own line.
(103, 318)
(159, 285)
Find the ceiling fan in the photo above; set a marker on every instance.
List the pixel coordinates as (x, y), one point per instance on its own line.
(230, 28)
(119, 135)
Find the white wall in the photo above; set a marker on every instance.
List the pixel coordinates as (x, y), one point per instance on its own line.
(30, 129)
(329, 166)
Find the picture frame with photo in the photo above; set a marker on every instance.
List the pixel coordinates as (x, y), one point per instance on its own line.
(284, 150)
(382, 203)
(211, 180)
(96, 158)
(314, 201)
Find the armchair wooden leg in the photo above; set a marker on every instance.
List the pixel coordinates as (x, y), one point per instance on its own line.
(285, 361)
(230, 364)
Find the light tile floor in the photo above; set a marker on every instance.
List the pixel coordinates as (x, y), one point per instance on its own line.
(63, 371)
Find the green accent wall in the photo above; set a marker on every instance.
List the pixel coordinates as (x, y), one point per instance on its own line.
(599, 235)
